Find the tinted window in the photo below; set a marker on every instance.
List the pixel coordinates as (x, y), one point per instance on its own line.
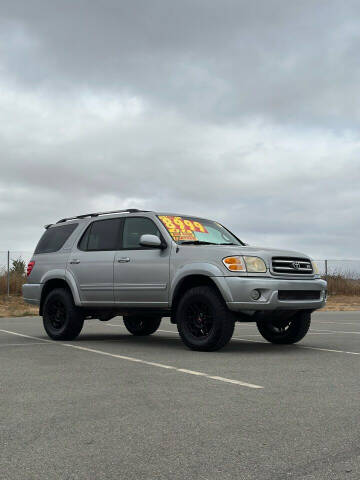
(134, 228)
(84, 239)
(101, 235)
(54, 238)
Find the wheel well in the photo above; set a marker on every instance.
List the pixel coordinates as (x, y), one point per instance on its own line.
(187, 283)
(50, 285)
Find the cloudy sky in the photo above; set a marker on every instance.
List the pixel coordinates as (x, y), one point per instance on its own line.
(247, 112)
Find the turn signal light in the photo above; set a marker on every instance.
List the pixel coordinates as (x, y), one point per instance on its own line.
(29, 268)
(234, 264)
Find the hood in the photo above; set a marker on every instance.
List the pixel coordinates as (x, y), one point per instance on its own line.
(269, 252)
(265, 253)
(215, 253)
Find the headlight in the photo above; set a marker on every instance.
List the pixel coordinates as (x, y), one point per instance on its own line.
(245, 264)
(315, 268)
(255, 264)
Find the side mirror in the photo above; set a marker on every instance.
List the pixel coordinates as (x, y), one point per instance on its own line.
(148, 240)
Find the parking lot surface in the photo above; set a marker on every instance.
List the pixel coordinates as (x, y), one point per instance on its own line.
(110, 405)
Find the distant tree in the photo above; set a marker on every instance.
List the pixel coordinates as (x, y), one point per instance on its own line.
(18, 266)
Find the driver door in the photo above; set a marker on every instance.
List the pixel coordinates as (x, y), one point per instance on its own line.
(141, 274)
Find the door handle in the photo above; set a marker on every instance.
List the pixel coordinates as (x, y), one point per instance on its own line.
(74, 261)
(123, 260)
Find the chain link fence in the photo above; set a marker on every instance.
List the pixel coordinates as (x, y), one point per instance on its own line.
(343, 275)
(13, 271)
(347, 268)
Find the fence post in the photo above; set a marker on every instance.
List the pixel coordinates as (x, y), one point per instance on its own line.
(326, 268)
(8, 273)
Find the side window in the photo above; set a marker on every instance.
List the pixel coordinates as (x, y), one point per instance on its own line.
(101, 235)
(134, 228)
(82, 245)
(54, 238)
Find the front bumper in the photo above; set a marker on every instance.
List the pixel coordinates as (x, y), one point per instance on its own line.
(237, 293)
(32, 293)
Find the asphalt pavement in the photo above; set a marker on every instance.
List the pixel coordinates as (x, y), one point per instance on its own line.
(113, 406)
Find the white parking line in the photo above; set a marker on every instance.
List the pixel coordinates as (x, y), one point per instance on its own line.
(296, 346)
(335, 331)
(312, 332)
(21, 344)
(138, 360)
(337, 323)
(309, 333)
(328, 350)
(302, 346)
(253, 325)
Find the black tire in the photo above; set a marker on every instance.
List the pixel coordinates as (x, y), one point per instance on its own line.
(141, 325)
(61, 318)
(203, 320)
(285, 330)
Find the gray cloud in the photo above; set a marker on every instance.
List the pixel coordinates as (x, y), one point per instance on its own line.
(244, 112)
(293, 62)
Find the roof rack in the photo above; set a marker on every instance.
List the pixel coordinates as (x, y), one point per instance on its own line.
(96, 214)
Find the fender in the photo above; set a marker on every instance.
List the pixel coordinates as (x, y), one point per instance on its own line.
(70, 280)
(61, 274)
(205, 269)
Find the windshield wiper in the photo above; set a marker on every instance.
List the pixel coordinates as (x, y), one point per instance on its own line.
(229, 244)
(196, 242)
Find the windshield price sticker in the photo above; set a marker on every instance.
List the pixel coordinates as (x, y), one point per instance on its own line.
(181, 229)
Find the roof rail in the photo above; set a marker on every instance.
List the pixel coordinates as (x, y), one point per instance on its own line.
(96, 214)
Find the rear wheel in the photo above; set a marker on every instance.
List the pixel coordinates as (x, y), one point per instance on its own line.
(285, 329)
(203, 321)
(61, 318)
(141, 325)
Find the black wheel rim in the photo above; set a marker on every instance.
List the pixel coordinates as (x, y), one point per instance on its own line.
(57, 314)
(137, 324)
(280, 327)
(199, 320)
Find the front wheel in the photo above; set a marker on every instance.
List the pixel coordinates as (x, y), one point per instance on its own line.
(141, 325)
(285, 329)
(203, 321)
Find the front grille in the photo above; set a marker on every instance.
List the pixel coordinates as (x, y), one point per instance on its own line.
(284, 295)
(292, 266)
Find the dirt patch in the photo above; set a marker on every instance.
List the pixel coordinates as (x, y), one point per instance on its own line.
(14, 306)
(342, 303)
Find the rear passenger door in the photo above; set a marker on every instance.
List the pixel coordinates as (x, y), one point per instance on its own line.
(141, 274)
(92, 261)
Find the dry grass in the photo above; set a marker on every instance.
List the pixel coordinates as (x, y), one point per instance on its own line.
(344, 294)
(342, 303)
(16, 282)
(343, 284)
(15, 306)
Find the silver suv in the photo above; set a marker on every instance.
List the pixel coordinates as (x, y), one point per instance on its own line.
(145, 265)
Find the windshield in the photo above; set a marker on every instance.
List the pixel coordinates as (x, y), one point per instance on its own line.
(193, 231)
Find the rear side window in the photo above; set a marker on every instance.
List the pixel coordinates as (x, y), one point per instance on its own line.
(101, 235)
(54, 238)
